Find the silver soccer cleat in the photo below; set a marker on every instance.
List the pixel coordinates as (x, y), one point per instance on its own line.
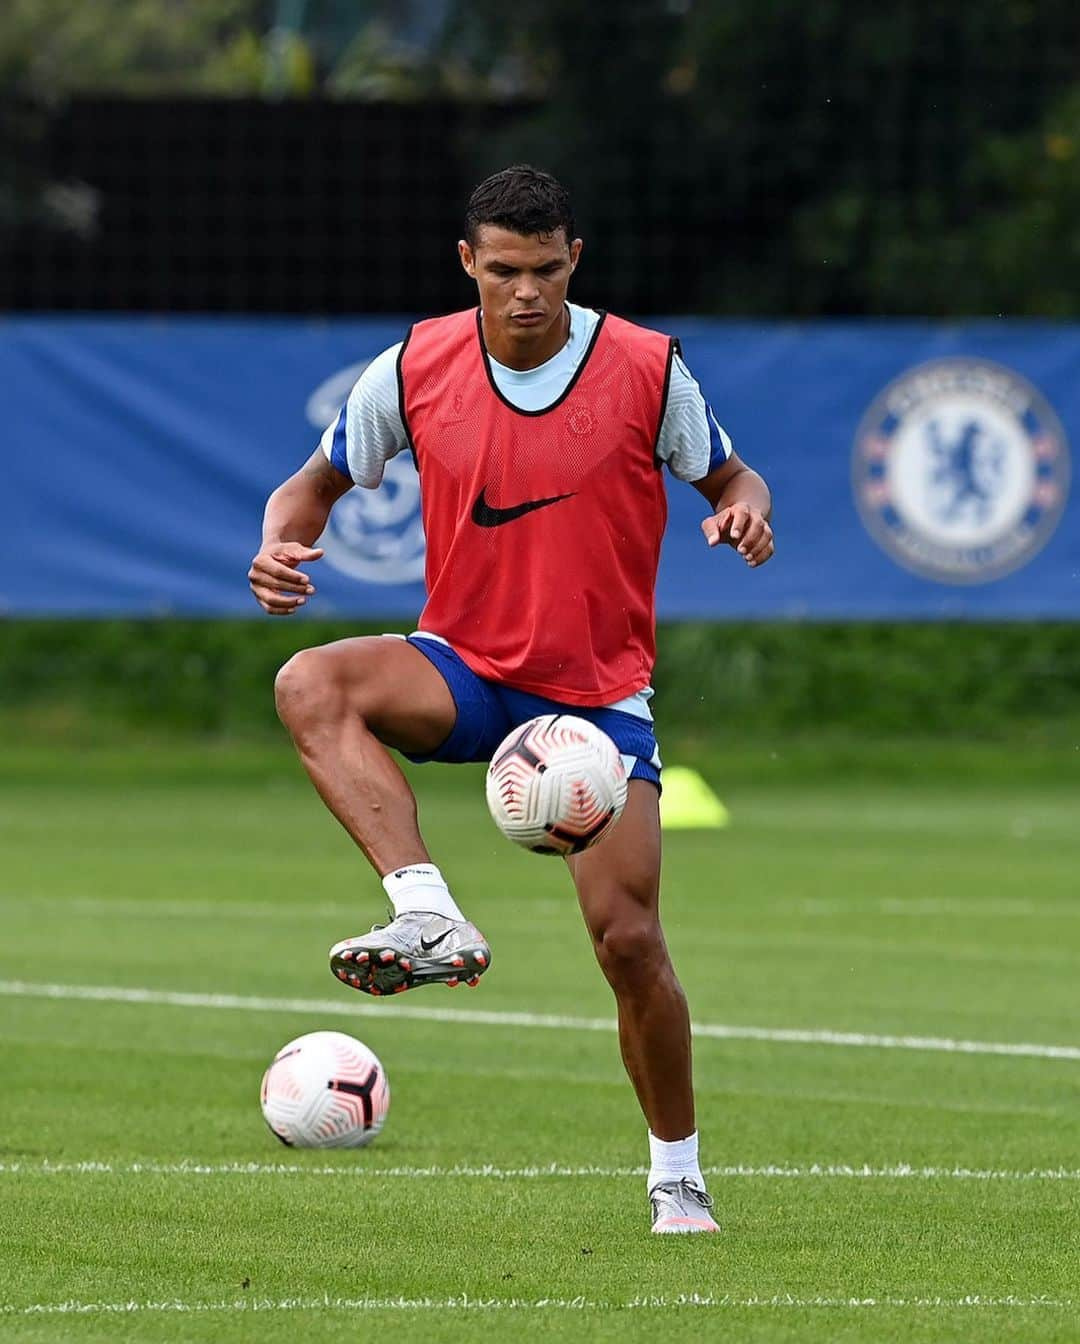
(680, 1206)
(417, 948)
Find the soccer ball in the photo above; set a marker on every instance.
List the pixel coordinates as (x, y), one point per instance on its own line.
(325, 1090)
(556, 784)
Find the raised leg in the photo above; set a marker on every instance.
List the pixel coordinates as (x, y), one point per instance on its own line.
(344, 704)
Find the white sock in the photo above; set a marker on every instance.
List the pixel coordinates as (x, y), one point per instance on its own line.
(420, 886)
(675, 1161)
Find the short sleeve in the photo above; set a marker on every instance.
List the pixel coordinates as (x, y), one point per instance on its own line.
(691, 440)
(368, 430)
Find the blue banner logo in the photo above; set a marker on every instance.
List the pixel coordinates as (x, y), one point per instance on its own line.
(961, 470)
(373, 535)
(377, 535)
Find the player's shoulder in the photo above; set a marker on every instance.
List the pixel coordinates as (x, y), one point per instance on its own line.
(378, 373)
(636, 336)
(663, 344)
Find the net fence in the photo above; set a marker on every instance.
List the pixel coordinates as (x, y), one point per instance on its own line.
(812, 168)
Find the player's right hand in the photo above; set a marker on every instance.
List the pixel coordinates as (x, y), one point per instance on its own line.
(278, 585)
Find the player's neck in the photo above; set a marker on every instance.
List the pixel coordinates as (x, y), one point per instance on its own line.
(524, 350)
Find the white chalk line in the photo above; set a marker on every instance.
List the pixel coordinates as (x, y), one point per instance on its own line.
(297, 913)
(487, 1171)
(919, 906)
(470, 1302)
(479, 1018)
(974, 909)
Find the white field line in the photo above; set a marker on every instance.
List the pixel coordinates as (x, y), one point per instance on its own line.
(486, 1171)
(974, 909)
(186, 909)
(469, 1302)
(466, 1017)
(920, 906)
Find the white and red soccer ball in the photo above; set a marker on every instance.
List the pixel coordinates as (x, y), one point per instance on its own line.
(325, 1090)
(556, 784)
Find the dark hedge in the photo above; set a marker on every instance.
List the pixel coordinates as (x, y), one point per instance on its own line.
(215, 678)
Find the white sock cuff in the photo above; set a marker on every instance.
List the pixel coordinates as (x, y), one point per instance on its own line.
(420, 886)
(675, 1160)
(412, 875)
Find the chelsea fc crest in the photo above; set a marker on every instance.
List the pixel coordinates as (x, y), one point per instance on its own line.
(961, 470)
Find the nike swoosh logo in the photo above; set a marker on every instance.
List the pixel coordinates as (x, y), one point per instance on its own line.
(435, 941)
(486, 515)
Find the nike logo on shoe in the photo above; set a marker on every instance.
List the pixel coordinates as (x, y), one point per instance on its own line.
(486, 515)
(435, 941)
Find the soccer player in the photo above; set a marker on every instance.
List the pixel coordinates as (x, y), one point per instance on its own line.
(540, 430)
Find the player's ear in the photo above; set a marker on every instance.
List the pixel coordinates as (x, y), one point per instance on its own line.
(575, 251)
(468, 260)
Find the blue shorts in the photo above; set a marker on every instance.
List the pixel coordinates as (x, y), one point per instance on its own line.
(486, 711)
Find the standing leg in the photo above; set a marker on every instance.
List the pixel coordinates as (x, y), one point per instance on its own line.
(618, 885)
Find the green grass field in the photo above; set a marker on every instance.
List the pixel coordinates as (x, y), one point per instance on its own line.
(872, 1190)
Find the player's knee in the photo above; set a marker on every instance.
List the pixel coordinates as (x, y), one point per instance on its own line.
(306, 691)
(629, 947)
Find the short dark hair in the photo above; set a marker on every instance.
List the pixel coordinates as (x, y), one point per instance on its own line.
(522, 199)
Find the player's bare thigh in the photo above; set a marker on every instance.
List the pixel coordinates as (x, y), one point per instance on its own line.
(619, 877)
(380, 679)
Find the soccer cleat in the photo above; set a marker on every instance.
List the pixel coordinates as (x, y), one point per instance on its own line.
(681, 1206)
(416, 948)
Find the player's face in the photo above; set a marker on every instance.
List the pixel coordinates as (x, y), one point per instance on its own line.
(522, 283)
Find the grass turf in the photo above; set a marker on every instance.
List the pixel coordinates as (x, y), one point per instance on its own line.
(908, 907)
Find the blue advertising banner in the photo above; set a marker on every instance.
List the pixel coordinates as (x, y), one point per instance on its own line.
(919, 470)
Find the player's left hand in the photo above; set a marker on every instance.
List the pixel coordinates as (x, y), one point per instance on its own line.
(745, 529)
